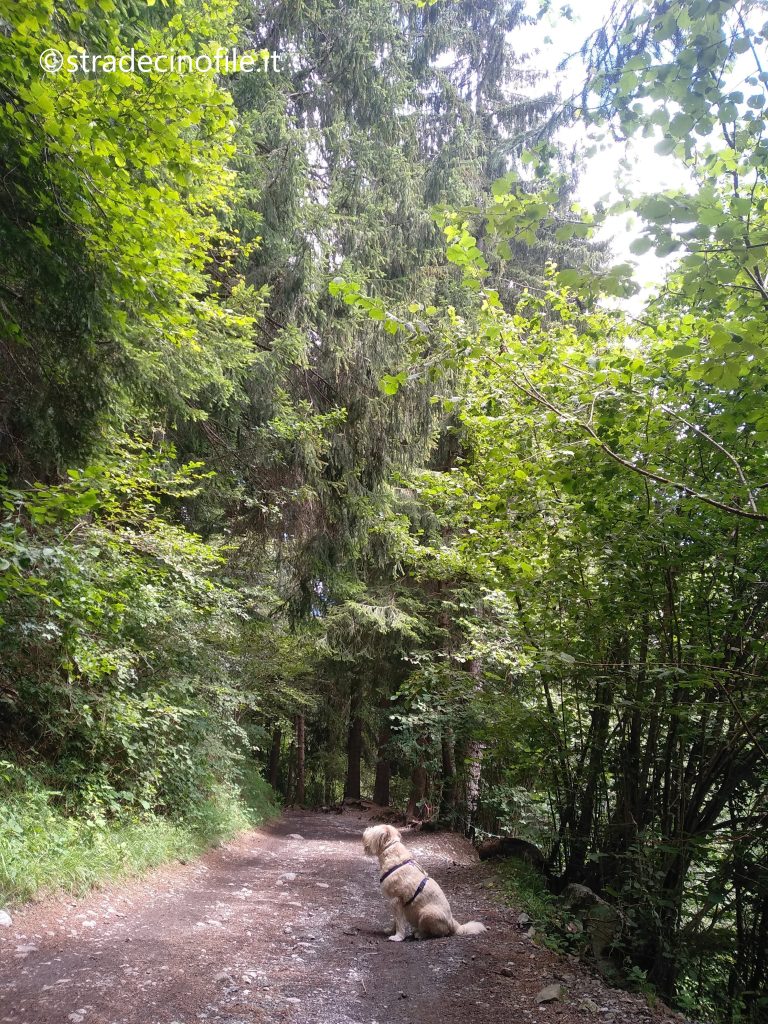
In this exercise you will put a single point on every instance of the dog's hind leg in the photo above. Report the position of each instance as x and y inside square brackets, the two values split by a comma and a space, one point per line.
[433, 925]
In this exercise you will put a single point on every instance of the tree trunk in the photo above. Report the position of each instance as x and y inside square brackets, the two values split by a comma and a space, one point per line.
[475, 753]
[274, 756]
[418, 790]
[448, 793]
[289, 781]
[383, 768]
[627, 818]
[299, 759]
[354, 744]
[665, 963]
[597, 743]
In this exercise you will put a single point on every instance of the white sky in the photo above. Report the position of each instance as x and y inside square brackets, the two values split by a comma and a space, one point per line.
[553, 39]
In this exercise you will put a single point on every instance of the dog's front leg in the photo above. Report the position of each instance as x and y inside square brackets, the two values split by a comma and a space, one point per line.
[401, 923]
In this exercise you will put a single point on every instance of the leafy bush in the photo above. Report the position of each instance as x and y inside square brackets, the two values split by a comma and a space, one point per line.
[43, 847]
[126, 669]
[117, 640]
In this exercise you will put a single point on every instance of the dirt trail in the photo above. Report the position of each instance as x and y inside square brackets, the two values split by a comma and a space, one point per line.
[277, 929]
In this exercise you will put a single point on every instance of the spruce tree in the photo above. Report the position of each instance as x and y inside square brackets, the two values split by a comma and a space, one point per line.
[379, 111]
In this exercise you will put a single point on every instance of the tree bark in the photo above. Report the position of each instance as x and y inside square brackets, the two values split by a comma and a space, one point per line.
[597, 743]
[475, 754]
[627, 817]
[300, 759]
[274, 756]
[383, 767]
[448, 793]
[418, 790]
[665, 963]
[354, 744]
[289, 798]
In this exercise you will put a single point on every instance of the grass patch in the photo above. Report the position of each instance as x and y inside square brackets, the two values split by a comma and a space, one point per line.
[43, 850]
[526, 888]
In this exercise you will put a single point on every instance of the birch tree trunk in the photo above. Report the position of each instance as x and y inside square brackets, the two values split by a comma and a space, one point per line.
[475, 754]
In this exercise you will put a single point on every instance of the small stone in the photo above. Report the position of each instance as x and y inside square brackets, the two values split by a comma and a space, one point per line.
[524, 920]
[550, 993]
[5, 919]
[588, 1005]
[322, 885]
[507, 972]
[402, 995]
[295, 835]
[289, 876]
[223, 976]
[77, 1016]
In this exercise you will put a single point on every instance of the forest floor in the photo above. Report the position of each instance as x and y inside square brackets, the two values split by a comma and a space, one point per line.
[285, 924]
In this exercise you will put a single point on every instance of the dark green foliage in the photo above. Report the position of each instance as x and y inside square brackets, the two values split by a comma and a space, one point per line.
[374, 118]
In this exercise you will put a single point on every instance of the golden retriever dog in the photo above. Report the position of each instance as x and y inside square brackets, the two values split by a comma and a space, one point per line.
[416, 899]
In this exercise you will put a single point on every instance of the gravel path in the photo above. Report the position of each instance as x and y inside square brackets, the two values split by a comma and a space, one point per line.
[285, 924]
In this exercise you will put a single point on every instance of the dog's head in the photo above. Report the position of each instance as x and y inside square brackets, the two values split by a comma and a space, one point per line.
[377, 837]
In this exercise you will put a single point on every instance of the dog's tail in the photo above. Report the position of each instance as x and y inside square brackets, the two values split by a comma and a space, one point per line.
[470, 928]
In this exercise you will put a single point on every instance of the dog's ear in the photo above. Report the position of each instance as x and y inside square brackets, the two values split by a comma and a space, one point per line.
[386, 834]
[370, 837]
[393, 836]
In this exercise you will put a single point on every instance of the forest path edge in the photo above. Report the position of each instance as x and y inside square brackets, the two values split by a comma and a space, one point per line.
[285, 923]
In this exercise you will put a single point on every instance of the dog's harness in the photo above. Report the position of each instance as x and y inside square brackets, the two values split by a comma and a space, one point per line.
[395, 868]
[419, 887]
[402, 864]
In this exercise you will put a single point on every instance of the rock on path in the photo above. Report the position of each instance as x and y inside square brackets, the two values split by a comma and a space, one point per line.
[285, 924]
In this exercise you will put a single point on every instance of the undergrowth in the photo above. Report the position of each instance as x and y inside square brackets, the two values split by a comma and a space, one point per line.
[43, 848]
[559, 930]
[526, 888]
